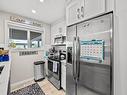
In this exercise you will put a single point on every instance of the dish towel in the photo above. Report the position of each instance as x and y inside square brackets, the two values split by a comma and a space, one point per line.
[54, 66]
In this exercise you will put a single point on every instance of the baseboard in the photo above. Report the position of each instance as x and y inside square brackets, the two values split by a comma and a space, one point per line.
[20, 84]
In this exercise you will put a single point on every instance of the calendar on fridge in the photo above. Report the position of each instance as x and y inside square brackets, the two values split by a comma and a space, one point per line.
[92, 50]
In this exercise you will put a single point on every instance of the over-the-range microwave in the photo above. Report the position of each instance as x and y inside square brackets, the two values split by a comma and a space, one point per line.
[59, 39]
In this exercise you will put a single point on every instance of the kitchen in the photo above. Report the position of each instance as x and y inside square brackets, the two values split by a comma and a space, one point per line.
[63, 47]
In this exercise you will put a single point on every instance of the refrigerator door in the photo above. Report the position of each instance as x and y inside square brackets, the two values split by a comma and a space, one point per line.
[94, 79]
[96, 56]
[71, 87]
[70, 82]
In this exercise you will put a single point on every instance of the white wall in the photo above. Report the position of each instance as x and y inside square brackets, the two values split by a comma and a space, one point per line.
[22, 66]
[6, 16]
[47, 34]
[60, 23]
[121, 47]
[3, 17]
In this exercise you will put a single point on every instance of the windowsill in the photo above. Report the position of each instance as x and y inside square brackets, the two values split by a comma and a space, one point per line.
[28, 49]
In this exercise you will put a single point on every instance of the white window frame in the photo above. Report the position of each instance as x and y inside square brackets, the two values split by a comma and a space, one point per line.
[28, 28]
[36, 32]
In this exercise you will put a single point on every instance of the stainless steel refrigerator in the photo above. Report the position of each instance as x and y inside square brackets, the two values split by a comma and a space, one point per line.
[89, 51]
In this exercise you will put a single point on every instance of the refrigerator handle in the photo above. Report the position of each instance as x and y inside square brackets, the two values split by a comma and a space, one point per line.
[78, 57]
[74, 58]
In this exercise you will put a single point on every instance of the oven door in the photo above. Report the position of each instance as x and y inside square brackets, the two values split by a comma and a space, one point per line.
[54, 71]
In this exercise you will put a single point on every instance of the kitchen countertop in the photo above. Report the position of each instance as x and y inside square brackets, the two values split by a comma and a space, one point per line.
[4, 77]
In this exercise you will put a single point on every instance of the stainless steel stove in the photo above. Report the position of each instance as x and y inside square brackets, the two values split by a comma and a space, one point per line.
[54, 72]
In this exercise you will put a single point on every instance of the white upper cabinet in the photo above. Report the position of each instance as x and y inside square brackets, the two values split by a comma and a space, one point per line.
[110, 5]
[58, 28]
[93, 8]
[72, 12]
[79, 10]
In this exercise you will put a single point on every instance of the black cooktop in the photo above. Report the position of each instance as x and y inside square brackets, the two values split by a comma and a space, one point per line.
[54, 59]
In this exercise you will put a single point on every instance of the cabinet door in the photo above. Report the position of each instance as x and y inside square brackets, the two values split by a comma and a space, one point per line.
[93, 8]
[57, 29]
[63, 80]
[82, 9]
[54, 32]
[72, 12]
[64, 28]
[61, 28]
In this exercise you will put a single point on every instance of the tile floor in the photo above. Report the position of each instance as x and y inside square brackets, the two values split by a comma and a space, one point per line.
[49, 89]
[46, 86]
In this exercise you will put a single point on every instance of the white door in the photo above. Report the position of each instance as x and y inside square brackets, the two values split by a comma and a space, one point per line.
[63, 81]
[83, 9]
[73, 12]
[93, 8]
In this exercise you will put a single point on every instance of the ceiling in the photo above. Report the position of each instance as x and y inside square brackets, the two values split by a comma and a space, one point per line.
[48, 11]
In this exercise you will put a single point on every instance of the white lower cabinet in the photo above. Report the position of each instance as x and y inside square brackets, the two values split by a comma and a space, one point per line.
[63, 76]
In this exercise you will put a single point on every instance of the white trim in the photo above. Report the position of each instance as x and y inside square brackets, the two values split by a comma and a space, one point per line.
[21, 83]
[28, 38]
[23, 25]
[6, 33]
[43, 39]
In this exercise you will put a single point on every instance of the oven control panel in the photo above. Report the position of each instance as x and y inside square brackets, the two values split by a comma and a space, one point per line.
[92, 50]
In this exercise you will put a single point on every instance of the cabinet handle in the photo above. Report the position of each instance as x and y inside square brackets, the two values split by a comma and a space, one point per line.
[82, 12]
[78, 13]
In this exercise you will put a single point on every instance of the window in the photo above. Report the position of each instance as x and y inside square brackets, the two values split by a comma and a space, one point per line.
[19, 38]
[35, 39]
[22, 39]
